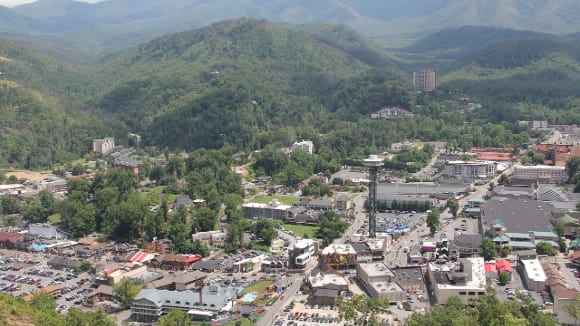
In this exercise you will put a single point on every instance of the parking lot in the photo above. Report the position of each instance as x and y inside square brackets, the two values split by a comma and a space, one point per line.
[23, 274]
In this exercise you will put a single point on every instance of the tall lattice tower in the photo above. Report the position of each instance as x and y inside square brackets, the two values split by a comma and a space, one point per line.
[373, 163]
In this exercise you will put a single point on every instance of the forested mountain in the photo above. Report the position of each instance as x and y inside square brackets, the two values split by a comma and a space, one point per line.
[195, 89]
[43, 117]
[111, 25]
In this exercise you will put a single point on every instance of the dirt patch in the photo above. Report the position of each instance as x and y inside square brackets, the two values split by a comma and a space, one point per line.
[27, 175]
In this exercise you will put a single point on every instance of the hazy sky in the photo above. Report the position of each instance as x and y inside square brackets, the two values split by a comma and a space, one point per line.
[12, 3]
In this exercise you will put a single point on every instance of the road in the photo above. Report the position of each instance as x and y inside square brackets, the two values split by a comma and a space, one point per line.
[272, 311]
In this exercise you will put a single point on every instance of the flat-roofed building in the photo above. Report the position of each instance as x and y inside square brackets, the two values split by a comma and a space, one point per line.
[541, 173]
[464, 279]
[273, 210]
[301, 253]
[469, 169]
[104, 145]
[425, 80]
[533, 275]
[379, 281]
[305, 146]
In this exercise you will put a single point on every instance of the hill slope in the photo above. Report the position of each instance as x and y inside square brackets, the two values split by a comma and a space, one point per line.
[43, 118]
[195, 89]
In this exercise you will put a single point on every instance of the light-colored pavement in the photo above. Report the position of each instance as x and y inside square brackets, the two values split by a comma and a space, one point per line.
[276, 309]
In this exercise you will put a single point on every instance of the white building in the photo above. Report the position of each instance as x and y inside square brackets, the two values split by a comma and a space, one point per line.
[273, 210]
[210, 238]
[104, 145]
[465, 279]
[541, 173]
[533, 274]
[301, 253]
[469, 169]
[402, 146]
[305, 146]
[379, 281]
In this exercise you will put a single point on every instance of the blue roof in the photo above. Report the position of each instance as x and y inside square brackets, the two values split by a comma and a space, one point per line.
[473, 210]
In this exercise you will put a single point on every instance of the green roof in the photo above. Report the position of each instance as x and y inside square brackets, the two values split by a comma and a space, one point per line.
[476, 200]
[522, 244]
[575, 243]
[501, 238]
[540, 234]
[472, 210]
[518, 235]
[497, 223]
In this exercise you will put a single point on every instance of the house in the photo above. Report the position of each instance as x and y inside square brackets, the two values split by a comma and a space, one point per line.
[102, 291]
[210, 302]
[379, 281]
[465, 280]
[491, 271]
[326, 287]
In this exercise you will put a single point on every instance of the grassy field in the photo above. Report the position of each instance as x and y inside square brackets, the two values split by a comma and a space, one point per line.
[152, 195]
[244, 322]
[301, 229]
[258, 287]
[283, 199]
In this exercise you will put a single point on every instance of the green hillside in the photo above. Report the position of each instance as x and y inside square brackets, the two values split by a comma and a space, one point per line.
[44, 118]
[195, 89]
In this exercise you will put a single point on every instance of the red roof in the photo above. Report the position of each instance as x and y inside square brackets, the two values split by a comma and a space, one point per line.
[192, 259]
[139, 257]
[10, 237]
[490, 268]
[504, 265]
[494, 158]
[492, 150]
[548, 162]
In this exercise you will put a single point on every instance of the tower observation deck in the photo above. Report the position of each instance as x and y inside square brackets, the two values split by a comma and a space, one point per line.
[373, 163]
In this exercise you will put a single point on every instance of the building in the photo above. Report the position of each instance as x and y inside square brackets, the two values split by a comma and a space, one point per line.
[60, 263]
[410, 278]
[464, 279]
[104, 145]
[129, 163]
[533, 276]
[212, 301]
[541, 173]
[13, 189]
[504, 265]
[301, 253]
[338, 256]
[326, 288]
[9, 240]
[570, 221]
[210, 238]
[305, 146]
[182, 201]
[469, 169]
[517, 223]
[250, 264]
[342, 202]
[466, 245]
[272, 210]
[208, 266]
[112, 274]
[363, 251]
[47, 231]
[182, 281]
[402, 146]
[425, 80]
[175, 262]
[379, 281]
[391, 112]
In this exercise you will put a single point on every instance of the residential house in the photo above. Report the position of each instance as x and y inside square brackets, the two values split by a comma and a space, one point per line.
[503, 265]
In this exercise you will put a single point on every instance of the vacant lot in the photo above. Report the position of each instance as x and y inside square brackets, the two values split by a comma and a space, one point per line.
[302, 229]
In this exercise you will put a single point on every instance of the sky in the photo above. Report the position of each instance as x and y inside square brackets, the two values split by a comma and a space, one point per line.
[13, 3]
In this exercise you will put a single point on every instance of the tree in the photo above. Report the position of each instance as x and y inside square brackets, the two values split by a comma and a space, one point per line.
[361, 309]
[562, 244]
[78, 169]
[43, 301]
[176, 317]
[433, 220]
[331, 227]
[76, 317]
[126, 290]
[503, 278]
[489, 251]
[572, 166]
[545, 248]
[157, 174]
[205, 219]
[573, 309]
[560, 229]
[503, 180]
[264, 229]
[453, 205]
[9, 205]
[199, 248]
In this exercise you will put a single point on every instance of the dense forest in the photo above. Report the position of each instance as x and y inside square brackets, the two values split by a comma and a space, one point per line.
[250, 83]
